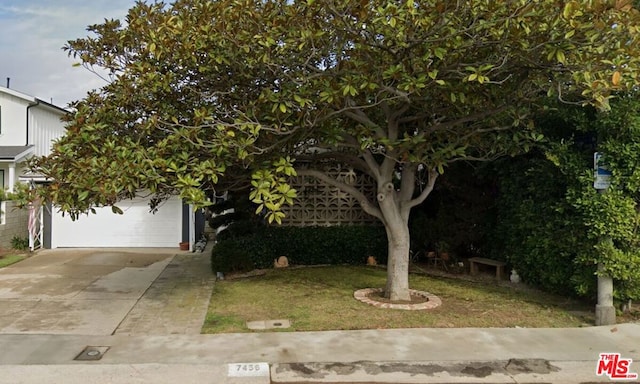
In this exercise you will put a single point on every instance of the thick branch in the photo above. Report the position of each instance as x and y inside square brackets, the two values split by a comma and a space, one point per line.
[408, 182]
[392, 128]
[362, 199]
[342, 157]
[469, 118]
[367, 157]
[372, 163]
[433, 175]
[464, 138]
[361, 117]
[394, 91]
[387, 167]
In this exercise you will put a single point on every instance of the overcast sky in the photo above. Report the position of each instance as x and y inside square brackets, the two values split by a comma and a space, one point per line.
[32, 33]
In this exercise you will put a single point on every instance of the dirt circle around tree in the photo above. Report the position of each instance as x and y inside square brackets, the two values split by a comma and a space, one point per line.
[420, 300]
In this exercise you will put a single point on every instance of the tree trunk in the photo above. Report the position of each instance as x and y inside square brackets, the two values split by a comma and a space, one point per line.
[398, 263]
[396, 221]
[392, 209]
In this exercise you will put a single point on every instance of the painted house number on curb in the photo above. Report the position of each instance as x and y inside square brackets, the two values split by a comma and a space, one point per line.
[248, 369]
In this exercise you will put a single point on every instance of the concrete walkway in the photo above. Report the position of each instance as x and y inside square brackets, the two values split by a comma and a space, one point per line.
[176, 302]
[153, 305]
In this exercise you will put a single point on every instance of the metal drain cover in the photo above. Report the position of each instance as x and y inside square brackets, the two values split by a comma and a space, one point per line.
[268, 324]
[91, 353]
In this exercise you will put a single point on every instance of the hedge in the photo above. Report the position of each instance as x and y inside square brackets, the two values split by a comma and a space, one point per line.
[301, 245]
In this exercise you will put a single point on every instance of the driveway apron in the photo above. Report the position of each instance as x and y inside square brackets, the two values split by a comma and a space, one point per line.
[77, 291]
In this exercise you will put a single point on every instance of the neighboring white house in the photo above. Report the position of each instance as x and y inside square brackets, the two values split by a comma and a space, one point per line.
[28, 127]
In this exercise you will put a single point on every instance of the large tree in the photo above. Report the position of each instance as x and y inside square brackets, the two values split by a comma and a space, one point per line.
[200, 92]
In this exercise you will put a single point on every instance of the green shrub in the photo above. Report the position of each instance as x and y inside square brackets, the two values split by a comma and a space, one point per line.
[302, 246]
[20, 243]
[231, 257]
[240, 228]
[537, 231]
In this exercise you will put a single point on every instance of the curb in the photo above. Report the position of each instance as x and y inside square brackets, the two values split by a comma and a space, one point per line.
[442, 372]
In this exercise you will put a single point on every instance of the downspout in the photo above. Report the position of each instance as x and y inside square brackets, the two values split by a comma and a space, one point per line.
[37, 102]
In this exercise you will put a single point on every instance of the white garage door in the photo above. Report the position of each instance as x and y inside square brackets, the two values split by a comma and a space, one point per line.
[137, 227]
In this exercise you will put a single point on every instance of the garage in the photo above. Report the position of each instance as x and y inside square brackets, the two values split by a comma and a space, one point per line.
[137, 227]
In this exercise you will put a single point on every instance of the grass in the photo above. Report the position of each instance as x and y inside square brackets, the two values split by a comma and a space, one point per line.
[321, 298]
[10, 259]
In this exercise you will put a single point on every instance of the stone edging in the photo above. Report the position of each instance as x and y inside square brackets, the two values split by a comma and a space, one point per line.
[433, 300]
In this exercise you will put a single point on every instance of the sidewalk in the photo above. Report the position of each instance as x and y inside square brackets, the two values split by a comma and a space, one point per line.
[465, 355]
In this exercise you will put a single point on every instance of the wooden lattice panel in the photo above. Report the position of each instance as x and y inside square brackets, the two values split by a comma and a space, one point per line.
[322, 204]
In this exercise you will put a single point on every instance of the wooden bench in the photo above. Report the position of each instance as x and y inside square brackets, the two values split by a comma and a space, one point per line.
[474, 261]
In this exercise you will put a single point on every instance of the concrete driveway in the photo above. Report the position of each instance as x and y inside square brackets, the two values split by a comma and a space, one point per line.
[77, 291]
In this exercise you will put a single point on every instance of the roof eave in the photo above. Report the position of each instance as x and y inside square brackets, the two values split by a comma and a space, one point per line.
[17, 94]
[20, 156]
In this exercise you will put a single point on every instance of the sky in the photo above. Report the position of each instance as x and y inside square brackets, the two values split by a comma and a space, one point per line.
[32, 34]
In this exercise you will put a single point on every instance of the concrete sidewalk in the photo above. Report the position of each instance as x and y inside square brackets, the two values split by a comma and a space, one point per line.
[466, 355]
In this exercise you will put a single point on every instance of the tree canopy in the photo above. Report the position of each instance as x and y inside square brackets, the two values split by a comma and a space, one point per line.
[202, 92]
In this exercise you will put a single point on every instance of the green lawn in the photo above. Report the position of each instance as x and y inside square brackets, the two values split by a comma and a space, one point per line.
[321, 298]
[10, 259]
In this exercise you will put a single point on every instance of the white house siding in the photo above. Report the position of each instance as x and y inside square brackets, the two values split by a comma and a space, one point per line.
[44, 128]
[14, 120]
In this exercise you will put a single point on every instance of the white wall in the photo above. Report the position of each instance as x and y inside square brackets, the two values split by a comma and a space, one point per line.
[43, 121]
[14, 120]
[44, 127]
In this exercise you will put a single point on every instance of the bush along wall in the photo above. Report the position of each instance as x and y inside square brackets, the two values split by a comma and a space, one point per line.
[537, 230]
[301, 245]
[553, 225]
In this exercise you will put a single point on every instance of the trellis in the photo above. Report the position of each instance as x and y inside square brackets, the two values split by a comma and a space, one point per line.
[321, 204]
[36, 225]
